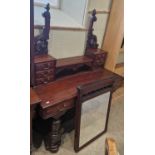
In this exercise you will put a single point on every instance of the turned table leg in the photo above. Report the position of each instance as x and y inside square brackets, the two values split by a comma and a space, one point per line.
[32, 113]
[53, 139]
[31, 116]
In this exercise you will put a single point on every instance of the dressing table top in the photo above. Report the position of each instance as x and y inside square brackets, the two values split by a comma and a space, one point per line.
[66, 88]
[34, 98]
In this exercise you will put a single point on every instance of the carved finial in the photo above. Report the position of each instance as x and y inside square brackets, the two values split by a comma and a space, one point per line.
[47, 17]
[41, 43]
[92, 39]
[47, 7]
[94, 15]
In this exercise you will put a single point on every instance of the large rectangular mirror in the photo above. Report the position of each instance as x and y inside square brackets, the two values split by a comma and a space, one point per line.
[92, 112]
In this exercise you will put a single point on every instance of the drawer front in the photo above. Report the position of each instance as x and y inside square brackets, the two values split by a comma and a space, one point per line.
[44, 66]
[100, 59]
[44, 74]
[55, 110]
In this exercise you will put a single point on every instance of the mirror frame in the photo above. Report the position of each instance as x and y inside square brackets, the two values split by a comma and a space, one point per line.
[86, 92]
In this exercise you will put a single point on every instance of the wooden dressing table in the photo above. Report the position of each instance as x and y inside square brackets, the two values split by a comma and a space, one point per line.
[59, 96]
[55, 82]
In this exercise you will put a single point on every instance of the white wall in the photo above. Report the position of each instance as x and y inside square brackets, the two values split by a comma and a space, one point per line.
[74, 8]
[100, 4]
[52, 2]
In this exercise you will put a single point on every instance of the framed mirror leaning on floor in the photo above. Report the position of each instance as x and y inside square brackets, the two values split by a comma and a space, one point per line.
[92, 112]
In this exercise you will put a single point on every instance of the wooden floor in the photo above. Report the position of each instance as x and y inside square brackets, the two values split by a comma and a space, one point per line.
[119, 93]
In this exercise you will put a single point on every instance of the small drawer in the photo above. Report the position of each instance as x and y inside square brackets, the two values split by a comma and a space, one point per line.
[100, 59]
[40, 81]
[54, 110]
[45, 73]
[49, 78]
[44, 66]
[65, 105]
[100, 56]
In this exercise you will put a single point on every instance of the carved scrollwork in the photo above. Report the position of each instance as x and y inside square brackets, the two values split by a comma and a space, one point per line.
[41, 41]
[92, 39]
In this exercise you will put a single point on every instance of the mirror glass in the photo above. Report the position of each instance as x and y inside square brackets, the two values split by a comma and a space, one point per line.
[93, 117]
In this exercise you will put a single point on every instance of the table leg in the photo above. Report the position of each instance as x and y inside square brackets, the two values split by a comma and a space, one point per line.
[32, 113]
[53, 139]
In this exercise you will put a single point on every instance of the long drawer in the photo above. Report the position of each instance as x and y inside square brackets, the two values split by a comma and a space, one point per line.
[57, 109]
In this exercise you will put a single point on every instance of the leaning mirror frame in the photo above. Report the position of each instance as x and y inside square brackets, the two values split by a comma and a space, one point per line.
[88, 94]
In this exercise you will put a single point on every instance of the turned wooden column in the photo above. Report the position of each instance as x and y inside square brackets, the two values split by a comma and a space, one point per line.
[53, 138]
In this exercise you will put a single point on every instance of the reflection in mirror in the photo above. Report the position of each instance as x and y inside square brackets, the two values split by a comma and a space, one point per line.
[93, 117]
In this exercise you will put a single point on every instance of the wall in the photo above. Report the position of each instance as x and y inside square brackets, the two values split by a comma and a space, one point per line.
[75, 8]
[100, 4]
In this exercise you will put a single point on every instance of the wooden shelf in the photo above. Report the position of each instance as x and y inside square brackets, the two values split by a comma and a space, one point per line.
[72, 61]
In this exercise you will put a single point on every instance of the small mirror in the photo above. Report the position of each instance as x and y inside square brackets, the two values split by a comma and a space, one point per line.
[93, 117]
[92, 111]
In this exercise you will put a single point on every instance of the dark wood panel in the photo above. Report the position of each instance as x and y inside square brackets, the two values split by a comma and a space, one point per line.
[72, 61]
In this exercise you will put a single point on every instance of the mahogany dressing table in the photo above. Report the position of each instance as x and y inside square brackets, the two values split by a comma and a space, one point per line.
[55, 83]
